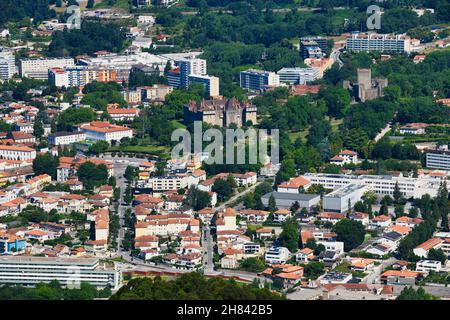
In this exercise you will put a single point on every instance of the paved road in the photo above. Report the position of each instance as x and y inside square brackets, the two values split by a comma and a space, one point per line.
[236, 196]
[208, 248]
[373, 277]
[335, 55]
[280, 10]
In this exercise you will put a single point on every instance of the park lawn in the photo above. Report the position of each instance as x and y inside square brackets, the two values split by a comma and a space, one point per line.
[298, 134]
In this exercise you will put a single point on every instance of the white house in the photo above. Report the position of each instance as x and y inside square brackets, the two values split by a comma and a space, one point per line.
[277, 255]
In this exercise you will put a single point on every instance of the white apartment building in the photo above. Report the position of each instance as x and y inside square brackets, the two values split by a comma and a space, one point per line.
[29, 271]
[277, 255]
[99, 130]
[17, 153]
[381, 185]
[38, 68]
[65, 138]
[298, 75]
[366, 42]
[428, 265]
[7, 65]
[169, 183]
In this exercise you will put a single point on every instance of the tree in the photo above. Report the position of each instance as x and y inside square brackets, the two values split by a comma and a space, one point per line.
[130, 173]
[38, 129]
[191, 286]
[253, 264]
[197, 199]
[92, 175]
[409, 293]
[272, 204]
[313, 270]
[397, 194]
[223, 188]
[99, 147]
[46, 164]
[90, 4]
[437, 255]
[290, 235]
[350, 232]
[73, 116]
[337, 100]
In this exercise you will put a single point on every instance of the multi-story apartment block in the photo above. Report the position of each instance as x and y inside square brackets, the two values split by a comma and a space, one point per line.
[438, 159]
[17, 153]
[156, 92]
[30, 270]
[258, 80]
[169, 182]
[132, 96]
[38, 68]
[210, 83]
[193, 66]
[366, 42]
[7, 65]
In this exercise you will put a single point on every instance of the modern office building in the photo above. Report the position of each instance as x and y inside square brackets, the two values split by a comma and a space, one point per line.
[7, 65]
[438, 159]
[258, 80]
[381, 185]
[70, 272]
[210, 83]
[284, 200]
[340, 199]
[367, 42]
[38, 68]
[298, 75]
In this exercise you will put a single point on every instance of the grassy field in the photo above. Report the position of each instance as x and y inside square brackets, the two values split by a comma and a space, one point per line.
[298, 134]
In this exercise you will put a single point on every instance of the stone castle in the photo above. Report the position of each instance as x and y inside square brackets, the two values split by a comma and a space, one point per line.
[221, 112]
[366, 88]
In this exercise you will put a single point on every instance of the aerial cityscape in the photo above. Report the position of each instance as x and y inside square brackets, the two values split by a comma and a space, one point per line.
[224, 150]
